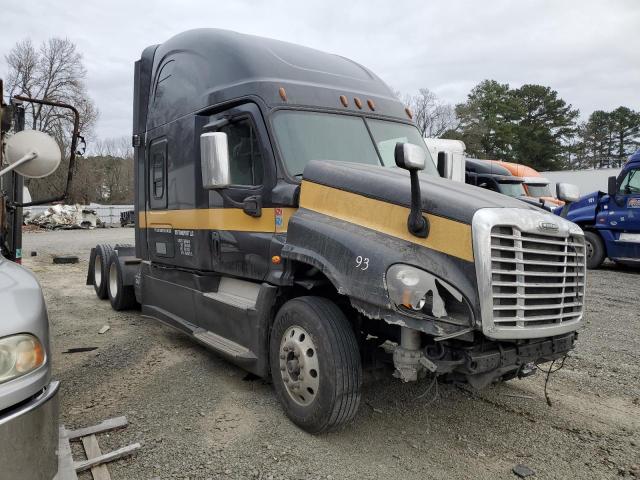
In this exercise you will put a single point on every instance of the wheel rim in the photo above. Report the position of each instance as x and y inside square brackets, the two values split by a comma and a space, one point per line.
[97, 271]
[299, 365]
[113, 280]
[589, 246]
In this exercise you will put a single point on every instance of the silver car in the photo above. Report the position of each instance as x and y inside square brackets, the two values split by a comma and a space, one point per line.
[28, 396]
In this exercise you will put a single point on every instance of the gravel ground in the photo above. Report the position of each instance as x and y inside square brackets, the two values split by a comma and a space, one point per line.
[198, 416]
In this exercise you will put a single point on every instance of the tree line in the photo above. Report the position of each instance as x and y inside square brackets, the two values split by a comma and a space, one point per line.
[530, 125]
[54, 70]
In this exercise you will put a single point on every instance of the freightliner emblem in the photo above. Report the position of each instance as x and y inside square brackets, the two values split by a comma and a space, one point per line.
[548, 226]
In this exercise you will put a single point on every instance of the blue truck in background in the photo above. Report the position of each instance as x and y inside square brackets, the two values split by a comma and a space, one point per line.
[611, 221]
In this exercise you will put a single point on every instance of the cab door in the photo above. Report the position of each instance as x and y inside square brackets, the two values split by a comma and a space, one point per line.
[624, 216]
[160, 242]
[242, 219]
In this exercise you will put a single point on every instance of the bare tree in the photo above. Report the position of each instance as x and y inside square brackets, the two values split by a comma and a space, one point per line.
[54, 72]
[119, 147]
[432, 116]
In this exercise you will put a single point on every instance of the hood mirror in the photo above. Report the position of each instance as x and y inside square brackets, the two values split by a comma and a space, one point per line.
[413, 157]
[410, 156]
[32, 154]
[567, 192]
[214, 160]
[612, 186]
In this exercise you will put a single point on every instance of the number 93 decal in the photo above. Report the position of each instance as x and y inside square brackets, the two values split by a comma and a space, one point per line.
[362, 263]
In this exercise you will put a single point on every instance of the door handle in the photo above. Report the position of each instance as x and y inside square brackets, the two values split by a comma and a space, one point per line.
[252, 206]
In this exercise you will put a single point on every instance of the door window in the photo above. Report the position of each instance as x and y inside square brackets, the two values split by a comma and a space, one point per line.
[631, 182]
[158, 174]
[245, 157]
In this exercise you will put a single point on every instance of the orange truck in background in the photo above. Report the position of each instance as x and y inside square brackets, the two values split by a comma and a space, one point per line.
[535, 184]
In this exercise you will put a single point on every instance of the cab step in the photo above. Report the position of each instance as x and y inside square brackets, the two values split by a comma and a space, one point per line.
[224, 345]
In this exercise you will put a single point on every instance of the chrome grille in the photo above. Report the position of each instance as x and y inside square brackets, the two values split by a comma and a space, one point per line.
[537, 280]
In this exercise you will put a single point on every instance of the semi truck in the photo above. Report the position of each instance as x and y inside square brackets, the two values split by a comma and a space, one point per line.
[28, 394]
[611, 220]
[485, 174]
[534, 184]
[289, 217]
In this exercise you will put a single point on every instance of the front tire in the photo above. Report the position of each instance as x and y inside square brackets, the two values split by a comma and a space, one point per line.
[596, 252]
[315, 364]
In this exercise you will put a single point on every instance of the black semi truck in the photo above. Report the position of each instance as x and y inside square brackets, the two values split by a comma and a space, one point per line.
[274, 226]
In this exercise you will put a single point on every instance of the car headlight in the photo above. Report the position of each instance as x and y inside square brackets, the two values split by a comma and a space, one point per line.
[19, 355]
[415, 290]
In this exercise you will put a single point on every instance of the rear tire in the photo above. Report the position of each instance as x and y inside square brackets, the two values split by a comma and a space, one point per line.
[121, 297]
[103, 254]
[315, 364]
[595, 249]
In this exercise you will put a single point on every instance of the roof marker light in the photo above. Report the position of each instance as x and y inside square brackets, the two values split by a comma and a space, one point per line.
[357, 102]
[372, 106]
[344, 101]
[283, 94]
[409, 113]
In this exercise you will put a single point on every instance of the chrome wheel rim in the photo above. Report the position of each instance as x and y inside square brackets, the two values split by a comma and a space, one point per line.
[113, 280]
[97, 271]
[299, 366]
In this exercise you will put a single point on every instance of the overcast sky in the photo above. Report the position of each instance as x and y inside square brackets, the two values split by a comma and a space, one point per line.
[589, 51]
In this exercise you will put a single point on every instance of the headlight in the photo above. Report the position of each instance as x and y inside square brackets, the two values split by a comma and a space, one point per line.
[19, 354]
[419, 291]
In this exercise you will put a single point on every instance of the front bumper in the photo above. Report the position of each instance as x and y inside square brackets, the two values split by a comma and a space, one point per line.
[29, 437]
[506, 361]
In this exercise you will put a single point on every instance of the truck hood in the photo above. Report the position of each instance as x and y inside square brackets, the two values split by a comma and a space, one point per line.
[446, 198]
[584, 209]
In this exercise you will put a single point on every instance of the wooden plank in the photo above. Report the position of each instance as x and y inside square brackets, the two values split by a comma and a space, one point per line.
[92, 449]
[107, 457]
[110, 424]
[66, 468]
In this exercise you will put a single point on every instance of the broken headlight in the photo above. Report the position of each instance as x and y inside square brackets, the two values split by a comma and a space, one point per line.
[418, 292]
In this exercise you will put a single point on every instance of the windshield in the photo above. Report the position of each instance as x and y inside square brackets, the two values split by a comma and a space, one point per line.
[512, 189]
[539, 190]
[306, 136]
[631, 183]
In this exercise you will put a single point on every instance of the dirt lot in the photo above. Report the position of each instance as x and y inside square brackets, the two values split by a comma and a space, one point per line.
[198, 416]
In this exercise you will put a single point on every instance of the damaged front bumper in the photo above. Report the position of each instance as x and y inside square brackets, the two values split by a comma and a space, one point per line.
[480, 365]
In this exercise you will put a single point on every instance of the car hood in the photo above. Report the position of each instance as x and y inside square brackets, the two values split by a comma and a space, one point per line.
[446, 198]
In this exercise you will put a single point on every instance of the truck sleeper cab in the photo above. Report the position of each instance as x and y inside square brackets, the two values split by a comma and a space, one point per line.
[274, 227]
[611, 221]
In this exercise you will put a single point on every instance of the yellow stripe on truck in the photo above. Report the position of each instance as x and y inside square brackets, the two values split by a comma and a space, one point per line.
[445, 235]
[216, 219]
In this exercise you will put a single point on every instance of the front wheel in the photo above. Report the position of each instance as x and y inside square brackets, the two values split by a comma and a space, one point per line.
[595, 249]
[315, 364]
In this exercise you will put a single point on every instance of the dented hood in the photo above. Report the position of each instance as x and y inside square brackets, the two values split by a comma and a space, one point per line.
[441, 197]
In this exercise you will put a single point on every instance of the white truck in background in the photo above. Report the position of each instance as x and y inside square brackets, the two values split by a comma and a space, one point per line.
[448, 156]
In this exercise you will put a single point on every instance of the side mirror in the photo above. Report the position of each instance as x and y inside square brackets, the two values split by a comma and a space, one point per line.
[567, 192]
[214, 160]
[412, 157]
[409, 156]
[612, 186]
[32, 154]
[444, 165]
